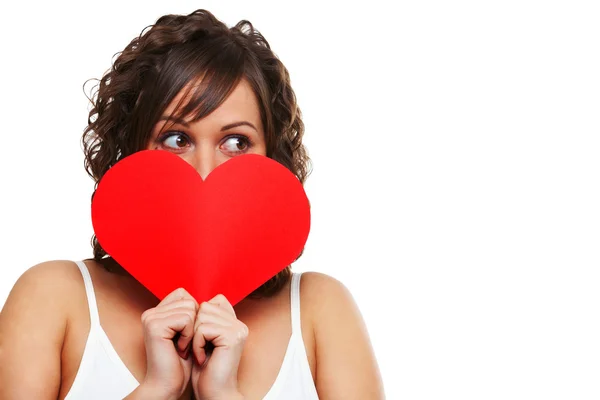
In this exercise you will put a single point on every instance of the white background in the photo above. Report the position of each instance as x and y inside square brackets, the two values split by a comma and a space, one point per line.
[455, 189]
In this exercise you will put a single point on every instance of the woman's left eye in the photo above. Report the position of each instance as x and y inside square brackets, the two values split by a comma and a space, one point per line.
[235, 144]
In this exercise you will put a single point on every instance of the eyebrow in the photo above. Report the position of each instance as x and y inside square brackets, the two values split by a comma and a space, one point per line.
[181, 121]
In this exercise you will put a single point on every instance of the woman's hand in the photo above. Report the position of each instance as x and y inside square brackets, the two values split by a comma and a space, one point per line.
[168, 332]
[214, 373]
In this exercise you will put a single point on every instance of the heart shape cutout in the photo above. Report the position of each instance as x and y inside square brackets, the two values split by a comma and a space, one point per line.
[228, 234]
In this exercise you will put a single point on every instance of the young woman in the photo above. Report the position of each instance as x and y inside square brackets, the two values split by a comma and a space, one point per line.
[88, 330]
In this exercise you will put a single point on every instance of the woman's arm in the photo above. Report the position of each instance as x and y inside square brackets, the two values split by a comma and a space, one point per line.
[32, 328]
[346, 365]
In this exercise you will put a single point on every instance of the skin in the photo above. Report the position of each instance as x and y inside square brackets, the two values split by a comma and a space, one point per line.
[45, 321]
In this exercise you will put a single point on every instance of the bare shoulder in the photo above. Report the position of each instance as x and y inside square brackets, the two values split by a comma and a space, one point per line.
[345, 363]
[56, 270]
[317, 280]
[54, 278]
[323, 295]
[43, 291]
[33, 323]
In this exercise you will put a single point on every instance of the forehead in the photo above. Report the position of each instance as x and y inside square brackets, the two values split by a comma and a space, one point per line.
[241, 103]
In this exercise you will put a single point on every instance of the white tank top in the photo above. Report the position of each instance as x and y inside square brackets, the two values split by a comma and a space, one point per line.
[102, 375]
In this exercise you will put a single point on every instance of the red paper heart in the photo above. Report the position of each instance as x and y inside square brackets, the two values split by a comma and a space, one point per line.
[228, 234]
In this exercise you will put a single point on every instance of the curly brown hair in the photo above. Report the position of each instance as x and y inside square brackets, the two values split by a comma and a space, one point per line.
[147, 75]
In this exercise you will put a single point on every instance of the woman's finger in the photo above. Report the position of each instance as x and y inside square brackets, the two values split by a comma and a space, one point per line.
[182, 303]
[222, 302]
[177, 294]
[185, 335]
[207, 337]
[165, 312]
[167, 326]
[225, 320]
[207, 308]
[199, 346]
[221, 336]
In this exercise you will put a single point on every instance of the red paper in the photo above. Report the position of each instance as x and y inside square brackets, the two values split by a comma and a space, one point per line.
[229, 234]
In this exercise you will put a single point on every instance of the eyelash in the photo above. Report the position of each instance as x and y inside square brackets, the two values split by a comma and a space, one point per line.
[166, 135]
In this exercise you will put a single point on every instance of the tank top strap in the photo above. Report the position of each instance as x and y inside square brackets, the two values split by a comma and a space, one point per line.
[91, 296]
[295, 302]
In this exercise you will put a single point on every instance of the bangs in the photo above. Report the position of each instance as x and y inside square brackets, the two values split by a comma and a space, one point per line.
[205, 72]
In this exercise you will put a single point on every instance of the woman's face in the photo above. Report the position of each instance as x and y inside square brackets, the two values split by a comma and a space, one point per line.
[233, 129]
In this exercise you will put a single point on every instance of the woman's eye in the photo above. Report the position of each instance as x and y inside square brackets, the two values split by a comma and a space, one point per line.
[235, 144]
[175, 141]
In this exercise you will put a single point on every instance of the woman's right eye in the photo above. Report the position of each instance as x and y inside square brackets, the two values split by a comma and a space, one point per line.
[175, 140]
